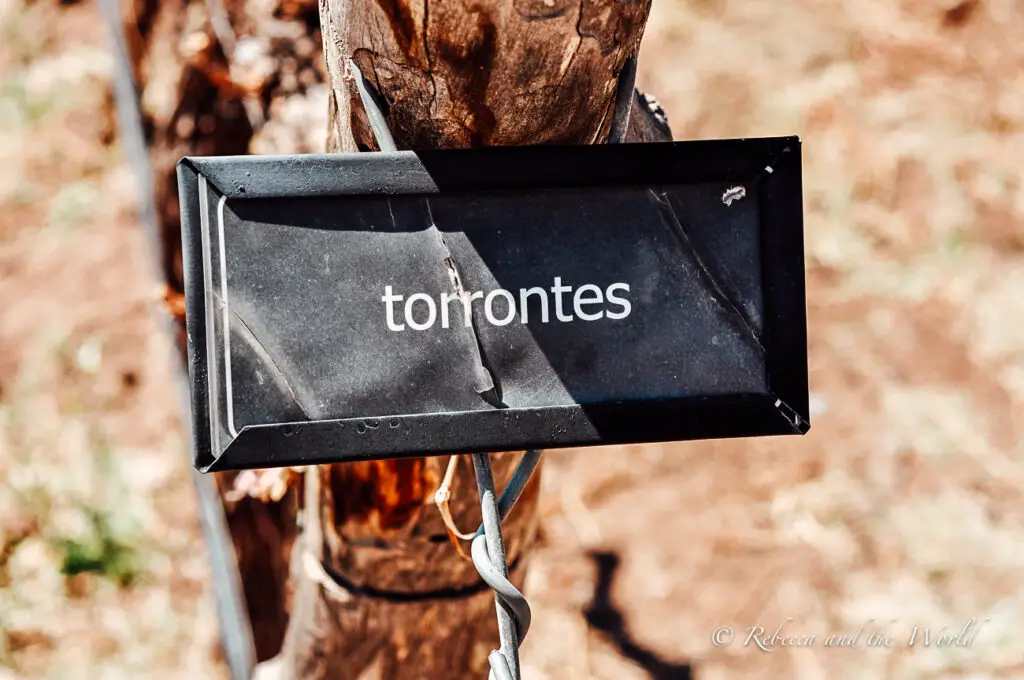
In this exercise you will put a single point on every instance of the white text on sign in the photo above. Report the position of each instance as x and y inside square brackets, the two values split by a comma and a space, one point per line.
[501, 307]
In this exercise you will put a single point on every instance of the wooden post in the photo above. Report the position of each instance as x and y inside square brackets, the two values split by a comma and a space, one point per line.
[348, 570]
[456, 74]
[450, 75]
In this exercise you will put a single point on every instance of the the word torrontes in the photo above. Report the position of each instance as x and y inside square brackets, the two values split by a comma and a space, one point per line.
[501, 307]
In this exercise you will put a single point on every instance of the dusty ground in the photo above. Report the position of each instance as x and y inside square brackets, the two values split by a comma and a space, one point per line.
[904, 501]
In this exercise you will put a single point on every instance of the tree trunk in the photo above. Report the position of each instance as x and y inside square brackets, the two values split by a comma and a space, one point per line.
[450, 75]
[371, 585]
[491, 73]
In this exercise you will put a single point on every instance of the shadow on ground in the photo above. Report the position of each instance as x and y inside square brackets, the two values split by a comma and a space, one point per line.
[605, 618]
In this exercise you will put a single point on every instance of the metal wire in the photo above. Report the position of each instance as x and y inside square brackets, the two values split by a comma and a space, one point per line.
[623, 102]
[235, 631]
[514, 489]
[488, 551]
[378, 123]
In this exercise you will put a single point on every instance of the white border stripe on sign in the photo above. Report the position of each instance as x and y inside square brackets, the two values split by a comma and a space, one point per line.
[228, 391]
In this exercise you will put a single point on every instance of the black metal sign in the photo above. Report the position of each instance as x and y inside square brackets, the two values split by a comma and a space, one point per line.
[368, 305]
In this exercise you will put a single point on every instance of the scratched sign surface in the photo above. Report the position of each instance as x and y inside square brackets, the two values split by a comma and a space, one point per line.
[376, 305]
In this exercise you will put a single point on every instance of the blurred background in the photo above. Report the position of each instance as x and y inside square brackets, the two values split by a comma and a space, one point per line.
[903, 502]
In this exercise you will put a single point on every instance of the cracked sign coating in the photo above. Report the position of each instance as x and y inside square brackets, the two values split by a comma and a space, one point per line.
[459, 301]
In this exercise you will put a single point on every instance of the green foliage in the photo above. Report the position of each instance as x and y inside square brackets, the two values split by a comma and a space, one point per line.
[101, 552]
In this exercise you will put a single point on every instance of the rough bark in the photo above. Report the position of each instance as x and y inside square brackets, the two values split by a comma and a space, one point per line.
[370, 585]
[456, 74]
